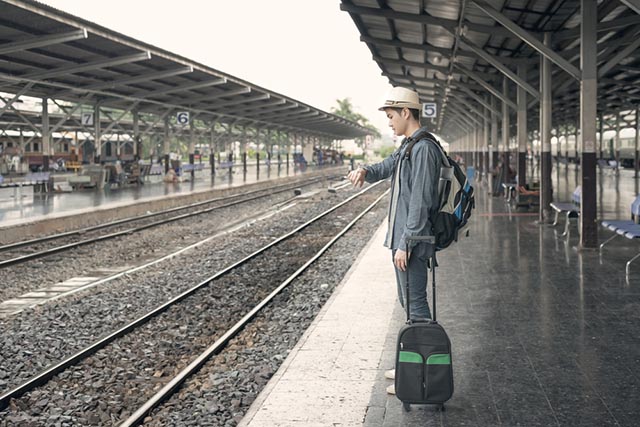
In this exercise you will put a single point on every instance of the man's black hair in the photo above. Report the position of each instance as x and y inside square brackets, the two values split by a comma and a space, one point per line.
[415, 113]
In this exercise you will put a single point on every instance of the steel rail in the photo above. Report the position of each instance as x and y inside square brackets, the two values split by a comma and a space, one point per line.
[9, 246]
[228, 228]
[44, 376]
[138, 416]
[62, 248]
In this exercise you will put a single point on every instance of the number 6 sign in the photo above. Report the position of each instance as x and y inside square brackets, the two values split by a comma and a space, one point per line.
[182, 117]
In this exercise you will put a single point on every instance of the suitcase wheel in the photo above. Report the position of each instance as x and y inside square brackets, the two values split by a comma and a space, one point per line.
[406, 406]
[441, 407]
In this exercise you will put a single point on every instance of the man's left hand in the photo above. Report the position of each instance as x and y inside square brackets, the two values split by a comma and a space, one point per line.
[400, 260]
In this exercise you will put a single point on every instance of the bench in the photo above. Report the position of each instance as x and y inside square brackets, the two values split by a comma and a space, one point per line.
[134, 173]
[91, 176]
[79, 181]
[607, 164]
[115, 174]
[38, 180]
[509, 189]
[154, 169]
[568, 209]
[71, 165]
[188, 167]
[225, 165]
[528, 198]
[629, 228]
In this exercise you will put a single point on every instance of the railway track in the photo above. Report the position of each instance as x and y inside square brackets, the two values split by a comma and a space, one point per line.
[299, 246]
[225, 230]
[20, 252]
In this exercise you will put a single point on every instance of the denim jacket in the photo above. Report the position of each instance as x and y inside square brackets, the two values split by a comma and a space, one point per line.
[417, 194]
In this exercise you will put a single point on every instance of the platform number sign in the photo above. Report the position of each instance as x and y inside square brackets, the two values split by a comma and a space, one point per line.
[87, 119]
[182, 118]
[429, 110]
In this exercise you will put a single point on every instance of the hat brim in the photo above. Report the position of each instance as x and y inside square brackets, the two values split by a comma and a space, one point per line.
[408, 105]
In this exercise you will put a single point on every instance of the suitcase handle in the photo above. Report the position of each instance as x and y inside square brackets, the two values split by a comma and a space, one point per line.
[431, 263]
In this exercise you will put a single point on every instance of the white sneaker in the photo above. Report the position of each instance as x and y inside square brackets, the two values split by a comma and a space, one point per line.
[391, 389]
[390, 374]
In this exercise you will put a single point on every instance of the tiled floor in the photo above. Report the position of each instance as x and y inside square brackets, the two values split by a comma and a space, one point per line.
[542, 333]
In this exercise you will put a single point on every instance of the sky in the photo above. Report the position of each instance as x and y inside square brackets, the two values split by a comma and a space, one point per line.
[308, 50]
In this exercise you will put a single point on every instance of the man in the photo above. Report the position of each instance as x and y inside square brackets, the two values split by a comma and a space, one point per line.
[414, 198]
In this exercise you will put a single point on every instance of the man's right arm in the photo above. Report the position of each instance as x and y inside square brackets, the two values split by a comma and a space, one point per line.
[372, 173]
[378, 171]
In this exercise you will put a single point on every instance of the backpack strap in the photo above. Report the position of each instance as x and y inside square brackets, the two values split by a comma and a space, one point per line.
[420, 136]
[429, 136]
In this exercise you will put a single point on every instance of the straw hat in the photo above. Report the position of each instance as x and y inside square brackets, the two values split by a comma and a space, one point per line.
[400, 97]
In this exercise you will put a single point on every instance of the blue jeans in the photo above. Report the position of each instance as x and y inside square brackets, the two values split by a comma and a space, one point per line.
[418, 275]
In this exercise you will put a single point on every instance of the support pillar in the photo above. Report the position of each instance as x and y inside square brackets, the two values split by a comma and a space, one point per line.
[588, 108]
[137, 140]
[558, 148]
[601, 130]
[295, 148]
[269, 148]
[566, 145]
[46, 135]
[635, 144]
[545, 134]
[476, 150]
[505, 132]
[485, 149]
[288, 147]
[97, 134]
[522, 128]
[617, 143]
[192, 147]
[577, 138]
[18, 168]
[212, 151]
[493, 148]
[166, 144]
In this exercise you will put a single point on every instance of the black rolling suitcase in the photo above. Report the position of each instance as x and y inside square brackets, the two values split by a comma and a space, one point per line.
[424, 373]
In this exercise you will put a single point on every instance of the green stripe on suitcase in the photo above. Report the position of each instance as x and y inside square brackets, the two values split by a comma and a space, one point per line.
[410, 357]
[439, 359]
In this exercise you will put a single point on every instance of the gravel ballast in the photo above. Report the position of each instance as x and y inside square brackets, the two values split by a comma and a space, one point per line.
[128, 250]
[226, 386]
[98, 312]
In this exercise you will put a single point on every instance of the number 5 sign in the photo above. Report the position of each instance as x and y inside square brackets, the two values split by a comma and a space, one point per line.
[429, 110]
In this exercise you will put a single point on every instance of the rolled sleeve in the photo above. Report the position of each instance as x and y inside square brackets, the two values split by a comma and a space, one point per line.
[425, 174]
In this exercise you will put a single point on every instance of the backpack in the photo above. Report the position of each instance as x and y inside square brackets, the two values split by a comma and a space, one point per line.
[455, 195]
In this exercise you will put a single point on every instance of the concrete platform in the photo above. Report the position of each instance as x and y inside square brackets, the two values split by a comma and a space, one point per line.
[328, 377]
[542, 334]
[40, 214]
[31, 207]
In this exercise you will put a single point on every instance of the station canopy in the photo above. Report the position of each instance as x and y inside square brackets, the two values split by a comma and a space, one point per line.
[456, 52]
[48, 53]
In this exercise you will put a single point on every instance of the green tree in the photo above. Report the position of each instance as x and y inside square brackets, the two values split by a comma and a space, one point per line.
[345, 109]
